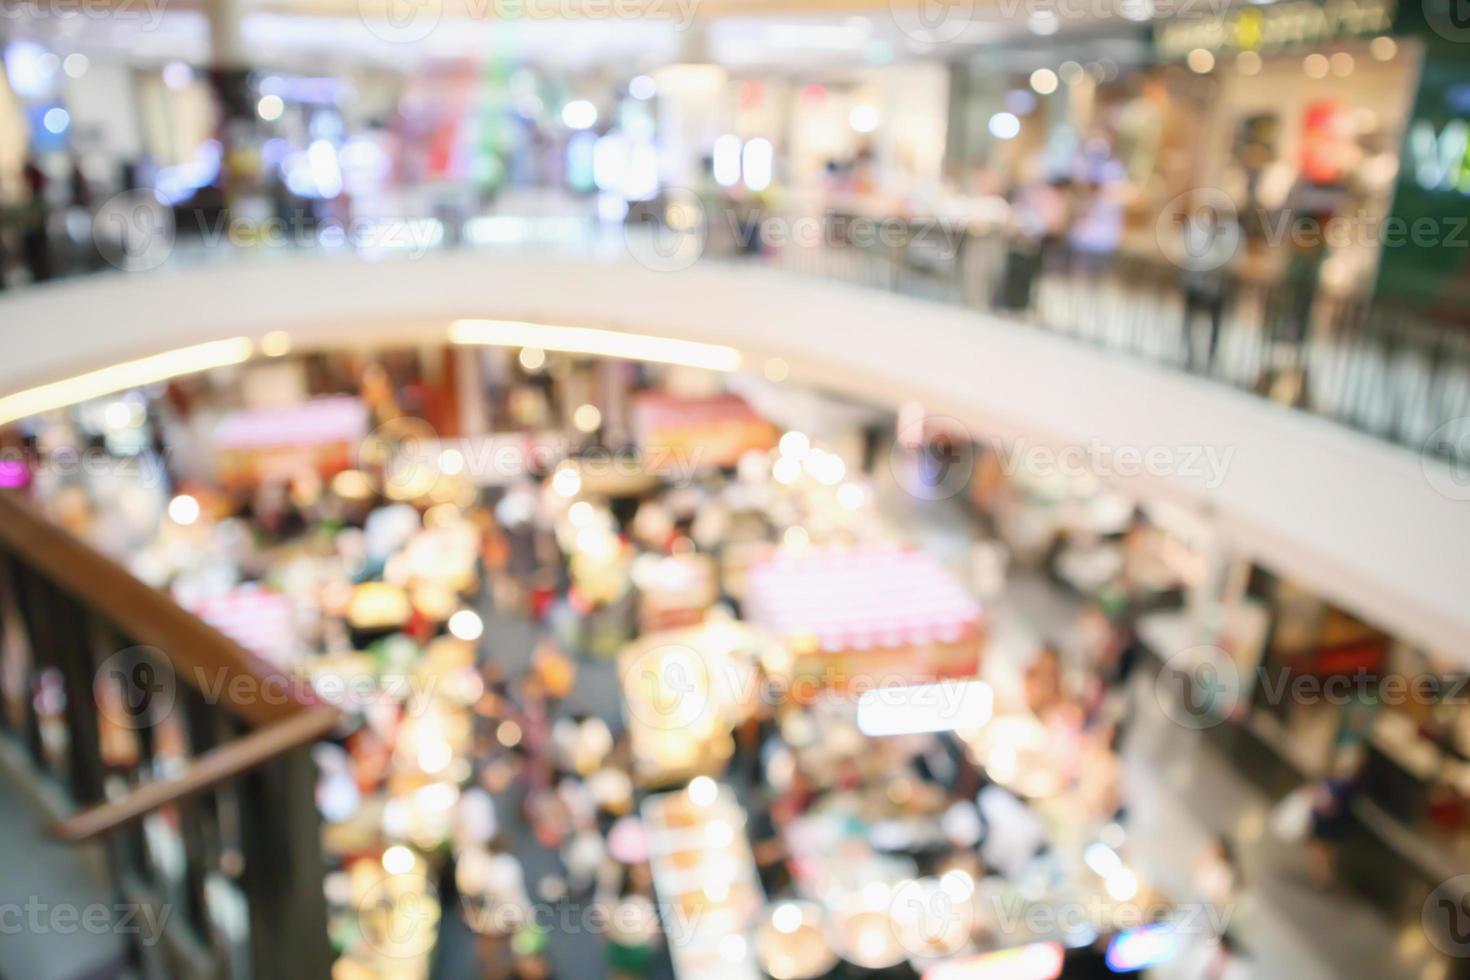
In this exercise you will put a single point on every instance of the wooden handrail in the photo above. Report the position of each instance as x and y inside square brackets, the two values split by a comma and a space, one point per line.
[201, 655]
[210, 769]
[216, 766]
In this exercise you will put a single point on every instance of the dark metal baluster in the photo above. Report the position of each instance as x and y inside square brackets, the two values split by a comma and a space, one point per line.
[281, 833]
[30, 591]
[136, 667]
[9, 653]
[200, 821]
[73, 634]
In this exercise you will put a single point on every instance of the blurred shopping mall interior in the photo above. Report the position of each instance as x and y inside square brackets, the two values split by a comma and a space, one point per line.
[791, 489]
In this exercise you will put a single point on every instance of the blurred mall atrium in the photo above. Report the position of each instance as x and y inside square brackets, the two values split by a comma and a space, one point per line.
[792, 489]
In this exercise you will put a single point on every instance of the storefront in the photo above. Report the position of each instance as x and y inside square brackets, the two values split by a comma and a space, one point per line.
[1303, 117]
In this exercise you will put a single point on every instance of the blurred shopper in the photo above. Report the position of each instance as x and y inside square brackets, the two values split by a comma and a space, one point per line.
[1097, 230]
[4, 243]
[1332, 802]
[1210, 239]
[83, 255]
[1039, 224]
[35, 220]
[1217, 872]
[1297, 295]
[633, 934]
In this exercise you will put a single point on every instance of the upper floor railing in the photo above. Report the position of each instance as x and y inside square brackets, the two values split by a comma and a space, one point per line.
[1394, 374]
[184, 756]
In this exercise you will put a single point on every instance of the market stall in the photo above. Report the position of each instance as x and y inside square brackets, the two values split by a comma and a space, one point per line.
[866, 617]
[684, 693]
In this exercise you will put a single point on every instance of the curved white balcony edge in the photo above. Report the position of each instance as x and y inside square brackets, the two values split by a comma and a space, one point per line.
[1353, 518]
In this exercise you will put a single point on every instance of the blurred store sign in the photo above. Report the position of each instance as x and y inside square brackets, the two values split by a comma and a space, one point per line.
[721, 428]
[1298, 23]
[312, 423]
[923, 708]
[1431, 204]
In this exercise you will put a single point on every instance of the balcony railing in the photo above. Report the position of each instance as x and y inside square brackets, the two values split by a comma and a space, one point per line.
[183, 756]
[1393, 374]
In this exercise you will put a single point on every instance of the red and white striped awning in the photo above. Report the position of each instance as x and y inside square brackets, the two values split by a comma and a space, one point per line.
[861, 598]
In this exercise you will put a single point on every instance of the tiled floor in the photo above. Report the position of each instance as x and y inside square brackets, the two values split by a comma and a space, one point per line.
[52, 885]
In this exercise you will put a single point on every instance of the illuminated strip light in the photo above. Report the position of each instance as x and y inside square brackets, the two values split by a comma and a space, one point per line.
[120, 377]
[589, 340]
[1039, 961]
[920, 708]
